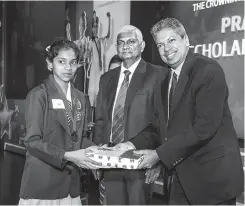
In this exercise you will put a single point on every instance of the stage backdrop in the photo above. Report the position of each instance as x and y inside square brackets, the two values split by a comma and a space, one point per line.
[120, 15]
[215, 29]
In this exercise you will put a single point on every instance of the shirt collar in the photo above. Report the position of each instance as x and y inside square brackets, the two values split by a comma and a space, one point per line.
[132, 68]
[178, 69]
[68, 93]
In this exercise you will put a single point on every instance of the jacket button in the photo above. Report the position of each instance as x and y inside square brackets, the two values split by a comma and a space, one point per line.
[69, 173]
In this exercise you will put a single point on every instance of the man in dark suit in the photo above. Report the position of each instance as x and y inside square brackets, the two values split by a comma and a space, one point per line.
[199, 146]
[125, 106]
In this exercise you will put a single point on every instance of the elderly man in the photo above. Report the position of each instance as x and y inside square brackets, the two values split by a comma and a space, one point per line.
[125, 106]
[199, 144]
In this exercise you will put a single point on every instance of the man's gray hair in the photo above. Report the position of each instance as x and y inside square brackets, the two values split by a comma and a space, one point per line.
[169, 23]
[130, 28]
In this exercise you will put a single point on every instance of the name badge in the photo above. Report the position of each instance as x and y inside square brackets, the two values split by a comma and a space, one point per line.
[58, 104]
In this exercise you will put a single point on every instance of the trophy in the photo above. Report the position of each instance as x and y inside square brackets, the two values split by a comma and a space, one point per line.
[84, 45]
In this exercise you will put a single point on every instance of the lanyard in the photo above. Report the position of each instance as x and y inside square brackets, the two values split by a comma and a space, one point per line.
[74, 135]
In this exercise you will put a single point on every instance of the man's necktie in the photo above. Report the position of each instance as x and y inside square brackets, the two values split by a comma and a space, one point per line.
[118, 114]
[171, 93]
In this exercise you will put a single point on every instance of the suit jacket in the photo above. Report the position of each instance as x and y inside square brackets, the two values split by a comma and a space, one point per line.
[199, 141]
[139, 106]
[46, 174]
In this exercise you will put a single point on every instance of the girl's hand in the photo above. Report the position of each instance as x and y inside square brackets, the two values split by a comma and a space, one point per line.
[80, 159]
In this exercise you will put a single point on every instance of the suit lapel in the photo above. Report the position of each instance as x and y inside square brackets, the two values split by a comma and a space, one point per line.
[61, 113]
[164, 93]
[76, 107]
[183, 80]
[62, 119]
[112, 88]
[162, 97]
[136, 83]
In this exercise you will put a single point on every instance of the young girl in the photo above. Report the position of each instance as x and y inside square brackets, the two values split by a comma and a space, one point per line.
[114, 63]
[56, 126]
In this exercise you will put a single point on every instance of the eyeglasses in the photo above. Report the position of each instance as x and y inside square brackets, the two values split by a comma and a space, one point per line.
[130, 42]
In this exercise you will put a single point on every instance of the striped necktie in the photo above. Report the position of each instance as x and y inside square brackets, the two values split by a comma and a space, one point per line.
[68, 117]
[118, 114]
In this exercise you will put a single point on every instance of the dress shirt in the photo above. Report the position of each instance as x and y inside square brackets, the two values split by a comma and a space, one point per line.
[68, 93]
[120, 81]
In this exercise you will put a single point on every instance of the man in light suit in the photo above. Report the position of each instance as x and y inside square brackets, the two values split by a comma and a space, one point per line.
[125, 106]
[199, 146]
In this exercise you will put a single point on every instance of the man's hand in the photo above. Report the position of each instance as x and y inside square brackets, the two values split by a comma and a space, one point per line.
[80, 159]
[150, 158]
[152, 174]
[124, 146]
[97, 174]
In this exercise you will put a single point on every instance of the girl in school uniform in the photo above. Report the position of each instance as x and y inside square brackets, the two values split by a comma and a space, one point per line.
[56, 123]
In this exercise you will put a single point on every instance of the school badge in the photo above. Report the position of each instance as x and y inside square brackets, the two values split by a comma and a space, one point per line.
[79, 115]
[79, 105]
